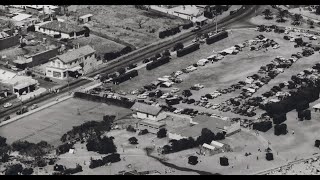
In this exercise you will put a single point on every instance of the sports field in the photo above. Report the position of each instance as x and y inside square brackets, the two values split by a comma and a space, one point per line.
[51, 123]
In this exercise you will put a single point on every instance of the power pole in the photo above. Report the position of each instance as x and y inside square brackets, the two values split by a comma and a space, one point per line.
[216, 24]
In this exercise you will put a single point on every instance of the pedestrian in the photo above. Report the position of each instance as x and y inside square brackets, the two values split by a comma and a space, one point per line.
[257, 158]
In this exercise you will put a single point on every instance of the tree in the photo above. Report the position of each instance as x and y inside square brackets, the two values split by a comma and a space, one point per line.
[166, 149]
[141, 21]
[193, 160]
[133, 140]
[15, 169]
[267, 14]
[131, 129]
[162, 133]
[318, 10]
[281, 15]
[3, 141]
[5, 158]
[224, 161]
[206, 136]
[178, 46]
[122, 71]
[27, 171]
[297, 17]
[86, 32]
[166, 53]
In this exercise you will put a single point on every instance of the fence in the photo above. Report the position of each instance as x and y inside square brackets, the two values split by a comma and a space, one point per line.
[9, 42]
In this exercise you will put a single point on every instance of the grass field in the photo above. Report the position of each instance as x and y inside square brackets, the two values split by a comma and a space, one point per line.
[50, 124]
[119, 21]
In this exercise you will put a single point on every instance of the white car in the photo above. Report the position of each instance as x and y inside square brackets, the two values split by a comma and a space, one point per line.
[313, 38]
[177, 111]
[215, 106]
[178, 73]
[292, 40]
[174, 90]
[204, 99]
[6, 105]
[165, 95]
[199, 86]
[141, 96]
[191, 68]
[276, 46]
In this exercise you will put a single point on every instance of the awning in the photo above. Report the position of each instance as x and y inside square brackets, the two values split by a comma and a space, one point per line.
[75, 68]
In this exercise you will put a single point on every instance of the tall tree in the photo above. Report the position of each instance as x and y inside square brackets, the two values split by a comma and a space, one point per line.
[282, 14]
[267, 14]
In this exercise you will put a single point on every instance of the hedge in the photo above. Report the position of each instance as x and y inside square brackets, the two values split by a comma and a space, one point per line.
[123, 102]
[262, 126]
[188, 50]
[169, 32]
[187, 26]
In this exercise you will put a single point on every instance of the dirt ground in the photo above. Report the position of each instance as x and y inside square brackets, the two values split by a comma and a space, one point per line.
[119, 21]
[50, 124]
[101, 45]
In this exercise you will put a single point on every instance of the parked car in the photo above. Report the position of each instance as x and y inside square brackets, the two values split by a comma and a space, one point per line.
[6, 105]
[34, 106]
[175, 90]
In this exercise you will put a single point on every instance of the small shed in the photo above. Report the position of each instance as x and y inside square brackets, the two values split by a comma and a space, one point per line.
[316, 107]
[85, 18]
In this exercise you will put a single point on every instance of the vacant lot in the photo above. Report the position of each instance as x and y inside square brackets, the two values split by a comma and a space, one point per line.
[122, 21]
[101, 45]
[50, 124]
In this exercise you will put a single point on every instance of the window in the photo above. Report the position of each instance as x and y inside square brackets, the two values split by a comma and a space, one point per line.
[49, 71]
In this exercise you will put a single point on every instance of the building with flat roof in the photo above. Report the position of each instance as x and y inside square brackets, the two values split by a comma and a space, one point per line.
[145, 111]
[150, 125]
[17, 84]
[214, 148]
[202, 121]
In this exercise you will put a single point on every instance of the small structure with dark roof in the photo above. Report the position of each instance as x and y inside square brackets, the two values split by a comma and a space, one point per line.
[66, 30]
[145, 111]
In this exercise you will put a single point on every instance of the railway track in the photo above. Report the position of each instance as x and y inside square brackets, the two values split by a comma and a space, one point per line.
[139, 55]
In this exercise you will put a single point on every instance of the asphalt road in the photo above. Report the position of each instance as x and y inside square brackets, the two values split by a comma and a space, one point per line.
[243, 14]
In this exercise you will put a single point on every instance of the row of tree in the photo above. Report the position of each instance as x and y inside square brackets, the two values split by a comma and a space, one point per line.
[188, 49]
[113, 55]
[125, 77]
[207, 136]
[156, 63]
[104, 145]
[169, 32]
[112, 158]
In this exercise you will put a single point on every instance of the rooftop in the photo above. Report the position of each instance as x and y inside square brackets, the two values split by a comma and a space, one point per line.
[145, 108]
[153, 123]
[85, 16]
[21, 17]
[73, 55]
[6, 75]
[62, 27]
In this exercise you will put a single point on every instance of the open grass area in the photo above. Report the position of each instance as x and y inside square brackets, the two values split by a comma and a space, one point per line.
[50, 124]
[120, 21]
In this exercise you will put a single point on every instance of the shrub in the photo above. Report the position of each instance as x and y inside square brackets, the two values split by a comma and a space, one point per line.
[224, 161]
[178, 46]
[143, 132]
[317, 143]
[27, 171]
[193, 160]
[15, 169]
[188, 50]
[131, 129]
[162, 133]
[269, 156]
[133, 140]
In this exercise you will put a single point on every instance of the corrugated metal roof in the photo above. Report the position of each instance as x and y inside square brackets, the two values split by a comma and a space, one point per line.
[85, 16]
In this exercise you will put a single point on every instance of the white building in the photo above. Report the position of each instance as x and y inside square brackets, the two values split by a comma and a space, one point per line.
[68, 31]
[214, 148]
[77, 61]
[85, 18]
[145, 111]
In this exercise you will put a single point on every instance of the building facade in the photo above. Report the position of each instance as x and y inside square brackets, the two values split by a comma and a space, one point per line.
[67, 31]
[145, 111]
[76, 62]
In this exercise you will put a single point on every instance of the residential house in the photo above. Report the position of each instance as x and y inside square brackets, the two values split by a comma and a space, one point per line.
[145, 111]
[68, 31]
[77, 61]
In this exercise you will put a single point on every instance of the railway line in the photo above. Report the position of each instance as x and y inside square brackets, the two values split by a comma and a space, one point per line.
[138, 55]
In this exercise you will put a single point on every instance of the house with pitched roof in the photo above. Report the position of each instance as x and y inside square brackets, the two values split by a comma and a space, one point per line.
[73, 63]
[146, 111]
[66, 30]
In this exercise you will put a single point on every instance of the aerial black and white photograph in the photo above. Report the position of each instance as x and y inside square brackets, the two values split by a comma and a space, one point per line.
[159, 89]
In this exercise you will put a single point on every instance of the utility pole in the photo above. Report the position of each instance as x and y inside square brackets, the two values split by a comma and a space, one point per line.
[216, 24]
